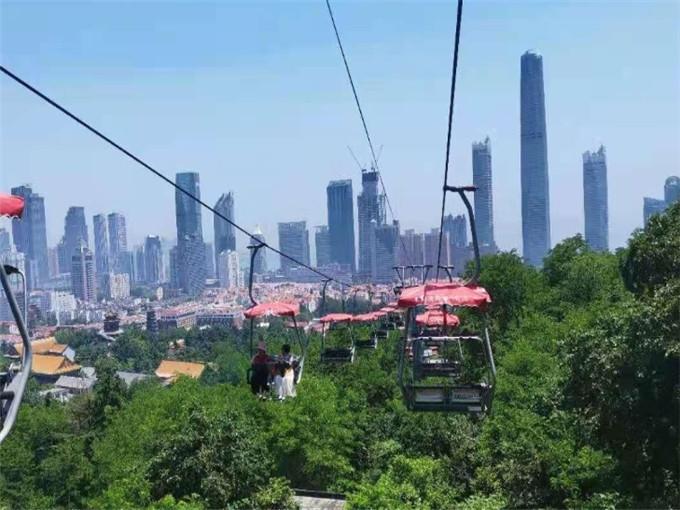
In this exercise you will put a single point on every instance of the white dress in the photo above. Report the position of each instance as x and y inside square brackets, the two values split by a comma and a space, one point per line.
[285, 386]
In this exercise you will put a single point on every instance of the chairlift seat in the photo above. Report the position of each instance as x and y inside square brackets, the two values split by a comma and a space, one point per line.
[338, 355]
[472, 398]
[369, 343]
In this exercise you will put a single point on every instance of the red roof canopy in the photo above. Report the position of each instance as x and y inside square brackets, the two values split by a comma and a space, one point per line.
[444, 293]
[365, 317]
[336, 317]
[277, 308]
[11, 205]
[437, 318]
[389, 308]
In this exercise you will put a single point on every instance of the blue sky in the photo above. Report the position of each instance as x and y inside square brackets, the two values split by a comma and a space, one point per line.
[253, 96]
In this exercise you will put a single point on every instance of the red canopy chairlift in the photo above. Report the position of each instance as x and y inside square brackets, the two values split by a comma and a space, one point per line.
[372, 341]
[340, 352]
[13, 381]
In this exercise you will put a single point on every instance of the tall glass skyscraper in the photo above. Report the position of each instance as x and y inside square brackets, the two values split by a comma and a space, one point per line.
[595, 204]
[322, 241]
[101, 244]
[293, 241]
[190, 257]
[117, 241]
[534, 161]
[30, 234]
[225, 236]
[652, 206]
[340, 203]
[153, 259]
[671, 190]
[371, 209]
[482, 179]
[75, 231]
[260, 262]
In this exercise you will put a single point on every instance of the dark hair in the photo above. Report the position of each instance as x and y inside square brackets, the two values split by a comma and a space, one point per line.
[285, 348]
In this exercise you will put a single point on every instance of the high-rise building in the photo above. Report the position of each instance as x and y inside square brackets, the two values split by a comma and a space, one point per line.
[652, 206]
[127, 265]
[153, 259]
[340, 204]
[386, 242]
[595, 203]
[5, 244]
[671, 190]
[230, 270]
[30, 234]
[482, 180]
[116, 286]
[190, 248]
[225, 235]
[63, 259]
[173, 264]
[322, 241]
[117, 240]
[413, 243]
[75, 232]
[140, 265]
[534, 162]
[210, 267]
[293, 241]
[260, 262]
[431, 249]
[82, 274]
[459, 250]
[101, 244]
[371, 212]
[16, 259]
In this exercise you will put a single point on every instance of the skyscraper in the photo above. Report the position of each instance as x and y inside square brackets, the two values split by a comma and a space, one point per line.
[386, 242]
[671, 190]
[140, 265]
[371, 211]
[595, 199]
[230, 270]
[431, 248]
[534, 162]
[190, 248]
[117, 240]
[482, 179]
[293, 241]
[210, 267]
[153, 259]
[30, 234]
[322, 241]
[459, 250]
[413, 243]
[101, 244]
[82, 274]
[260, 262]
[75, 232]
[225, 236]
[340, 203]
[652, 206]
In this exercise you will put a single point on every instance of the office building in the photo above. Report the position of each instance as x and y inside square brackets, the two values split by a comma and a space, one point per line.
[140, 265]
[153, 259]
[117, 240]
[225, 235]
[101, 244]
[371, 213]
[652, 206]
[82, 274]
[386, 242]
[293, 241]
[534, 162]
[117, 286]
[322, 241]
[340, 203]
[260, 262]
[210, 267]
[30, 234]
[190, 259]
[431, 249]
[482, 180]
[229, 270]
[595, 205]
[413, 243]
[671, 190]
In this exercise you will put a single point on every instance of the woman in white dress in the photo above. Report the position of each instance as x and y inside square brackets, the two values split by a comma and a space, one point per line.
[285, 374]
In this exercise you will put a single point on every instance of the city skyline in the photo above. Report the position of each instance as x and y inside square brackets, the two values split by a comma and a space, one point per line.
[578, 116]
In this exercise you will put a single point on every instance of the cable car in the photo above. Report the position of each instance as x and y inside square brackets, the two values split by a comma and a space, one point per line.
[434, 373]
[338, 327]
[274, 309]
[371, 342]
[13, 381]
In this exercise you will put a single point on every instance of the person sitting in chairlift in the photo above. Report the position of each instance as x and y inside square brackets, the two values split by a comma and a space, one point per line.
[260, 370]
[284, 380]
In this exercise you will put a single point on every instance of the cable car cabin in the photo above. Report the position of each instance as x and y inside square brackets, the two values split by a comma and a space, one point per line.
[280, 372]
[442, 368]
[337, 339]
[368, 340]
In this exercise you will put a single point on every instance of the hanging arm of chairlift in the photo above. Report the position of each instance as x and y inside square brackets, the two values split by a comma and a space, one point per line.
[461, 190]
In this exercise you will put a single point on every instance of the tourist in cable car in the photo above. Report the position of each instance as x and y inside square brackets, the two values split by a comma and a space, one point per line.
[284, 380]
[259, 364]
